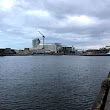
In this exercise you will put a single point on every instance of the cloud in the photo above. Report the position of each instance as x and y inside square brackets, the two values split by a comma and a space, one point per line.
[82, 23]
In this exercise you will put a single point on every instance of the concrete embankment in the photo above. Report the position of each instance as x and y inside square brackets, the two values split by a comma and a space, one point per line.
[101, 100]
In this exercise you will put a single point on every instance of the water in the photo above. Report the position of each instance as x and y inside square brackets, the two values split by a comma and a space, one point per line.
[51, 82]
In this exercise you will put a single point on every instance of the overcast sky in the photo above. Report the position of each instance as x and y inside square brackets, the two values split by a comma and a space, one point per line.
[81, 23]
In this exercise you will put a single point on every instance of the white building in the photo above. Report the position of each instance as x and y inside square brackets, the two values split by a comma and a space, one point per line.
[107, 47]
[48, 48]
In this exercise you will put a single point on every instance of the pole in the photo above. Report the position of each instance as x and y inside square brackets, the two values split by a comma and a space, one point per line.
[43, 45]
[43, 41]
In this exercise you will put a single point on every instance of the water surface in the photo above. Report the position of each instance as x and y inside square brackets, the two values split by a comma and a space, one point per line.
[51, 82]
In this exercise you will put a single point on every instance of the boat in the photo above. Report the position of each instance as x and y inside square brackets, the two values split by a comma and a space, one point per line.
[108, 54]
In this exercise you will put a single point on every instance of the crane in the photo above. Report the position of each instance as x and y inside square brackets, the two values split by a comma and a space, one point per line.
[43, 38]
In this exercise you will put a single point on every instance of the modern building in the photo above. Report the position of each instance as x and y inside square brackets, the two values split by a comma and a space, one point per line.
[35, 42]
[48, 48]
[52, 47]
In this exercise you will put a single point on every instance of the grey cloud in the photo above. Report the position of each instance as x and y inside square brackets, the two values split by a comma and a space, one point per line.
[26, 17]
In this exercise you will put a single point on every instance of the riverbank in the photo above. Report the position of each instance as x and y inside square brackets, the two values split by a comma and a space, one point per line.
[102, 101]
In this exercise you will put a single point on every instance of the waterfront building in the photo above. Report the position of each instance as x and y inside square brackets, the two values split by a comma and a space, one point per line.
[35, 42]
[68, 50]
[2, 50]
[48, 48]
[21, 52]
[7, 51]
[52, 47]
[107, 47]
[26, 51]
[95, 52]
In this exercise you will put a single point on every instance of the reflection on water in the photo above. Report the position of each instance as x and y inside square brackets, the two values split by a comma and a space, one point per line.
[51, 82]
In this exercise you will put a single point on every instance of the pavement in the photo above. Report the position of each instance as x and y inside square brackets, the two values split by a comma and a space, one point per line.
[107, 105]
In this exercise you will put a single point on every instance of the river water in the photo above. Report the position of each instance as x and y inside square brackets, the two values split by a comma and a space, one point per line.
[51, 82]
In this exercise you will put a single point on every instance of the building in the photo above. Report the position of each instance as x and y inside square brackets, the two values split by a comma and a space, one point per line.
[7, 51]
[20, 52]
[2, 51]
[95, 52]
[27, 51]
[107, 47]
[68, 50]
[35, 42]
[48, 48]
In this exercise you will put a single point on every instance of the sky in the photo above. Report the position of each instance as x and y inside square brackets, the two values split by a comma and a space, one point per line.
[84, 24]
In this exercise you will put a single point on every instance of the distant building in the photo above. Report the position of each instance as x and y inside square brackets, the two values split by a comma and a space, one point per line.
[48, 48]
[35, 42]
[95, 52]
[68, 50]
[20, 52]
[2, 51]
[26, 51]
[107, 47]
[7, 51]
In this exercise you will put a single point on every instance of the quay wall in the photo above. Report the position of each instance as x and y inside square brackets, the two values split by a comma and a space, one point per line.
[100, 101]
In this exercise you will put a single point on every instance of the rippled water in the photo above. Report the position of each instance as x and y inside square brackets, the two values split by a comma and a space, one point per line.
[51, 82]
